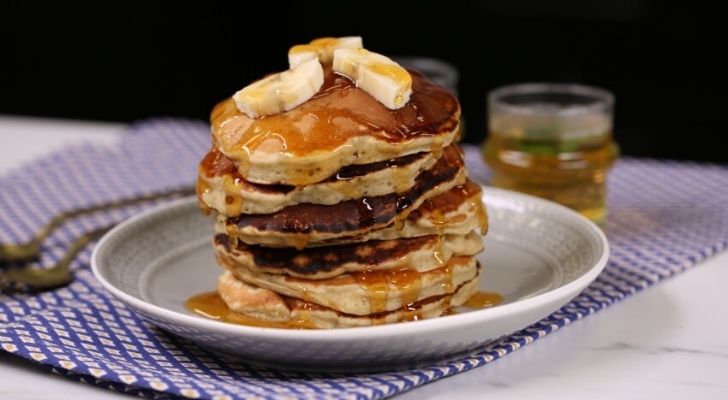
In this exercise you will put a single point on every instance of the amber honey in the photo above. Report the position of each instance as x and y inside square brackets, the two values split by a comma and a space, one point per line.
[573, 176]
[553, 141]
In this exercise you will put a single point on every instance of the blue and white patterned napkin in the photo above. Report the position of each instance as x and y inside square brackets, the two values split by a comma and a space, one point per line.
[664, 217]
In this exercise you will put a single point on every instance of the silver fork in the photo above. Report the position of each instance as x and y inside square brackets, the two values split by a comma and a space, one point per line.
[58, 275]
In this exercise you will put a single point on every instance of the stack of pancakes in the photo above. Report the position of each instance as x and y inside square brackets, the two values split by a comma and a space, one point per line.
[341, 212]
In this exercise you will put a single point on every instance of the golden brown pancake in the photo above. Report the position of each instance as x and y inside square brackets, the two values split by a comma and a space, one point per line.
[341, 212]
[419, 253]
[302, 224]
[363, 293]
[339, 126]
[221, 187]
[276, 310]
[458, 211]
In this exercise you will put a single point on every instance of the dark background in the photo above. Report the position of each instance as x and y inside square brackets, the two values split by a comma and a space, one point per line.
[125, 60]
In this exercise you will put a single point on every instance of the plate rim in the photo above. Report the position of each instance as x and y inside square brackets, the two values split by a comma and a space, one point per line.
[389, 330]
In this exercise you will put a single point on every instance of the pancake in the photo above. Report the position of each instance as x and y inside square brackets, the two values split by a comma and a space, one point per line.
[420, 254]
[279, 311]
[362, 293]
[221, 187]
[340, 212]
[458, 211]
[339, 126]
[306, 223]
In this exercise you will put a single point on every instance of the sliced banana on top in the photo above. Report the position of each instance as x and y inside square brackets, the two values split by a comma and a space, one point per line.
[374, 73]
[282, 91]
[322, 48]
[384, 79]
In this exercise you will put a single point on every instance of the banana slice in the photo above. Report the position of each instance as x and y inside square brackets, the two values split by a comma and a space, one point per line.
[376, 74]
[322, 48]
[282, 91]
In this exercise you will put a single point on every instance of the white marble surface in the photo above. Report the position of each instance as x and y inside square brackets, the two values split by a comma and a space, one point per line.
[669, 342]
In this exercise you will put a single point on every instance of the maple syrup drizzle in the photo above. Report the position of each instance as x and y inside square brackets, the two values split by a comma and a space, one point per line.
[215, 164]
[364, 213]
[401, 181]
[408, 282]
[477, 206]
[447, 285]
[395, 72]
[336, 113]
[300, 241]
[202, 188]
[211, 305]
[377, 285]
[436, 147]
[438, 252]
[450, 201]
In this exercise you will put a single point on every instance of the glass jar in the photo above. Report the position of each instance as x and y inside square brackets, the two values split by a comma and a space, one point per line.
[553, 141]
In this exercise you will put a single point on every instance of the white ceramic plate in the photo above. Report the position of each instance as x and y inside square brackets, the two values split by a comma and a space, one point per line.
[538, 255]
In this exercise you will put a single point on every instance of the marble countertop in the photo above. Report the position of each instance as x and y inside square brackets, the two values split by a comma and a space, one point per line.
[668, 342]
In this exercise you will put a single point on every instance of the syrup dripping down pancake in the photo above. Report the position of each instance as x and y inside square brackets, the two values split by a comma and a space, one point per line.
[367, 292]
[419, 254]
[341, 125]
[456, 212]
[241, 303]
[310, 223]
[221, 187]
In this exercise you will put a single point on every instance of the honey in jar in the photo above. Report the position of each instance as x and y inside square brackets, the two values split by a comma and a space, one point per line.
[553, 141]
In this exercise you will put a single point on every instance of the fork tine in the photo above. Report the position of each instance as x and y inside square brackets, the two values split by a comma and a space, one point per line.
[49, 278]
[31, 248]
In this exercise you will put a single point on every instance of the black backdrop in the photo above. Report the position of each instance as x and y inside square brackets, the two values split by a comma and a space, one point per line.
[124, 60]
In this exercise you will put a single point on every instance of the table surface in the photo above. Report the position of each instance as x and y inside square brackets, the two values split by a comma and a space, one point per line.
[668, 342]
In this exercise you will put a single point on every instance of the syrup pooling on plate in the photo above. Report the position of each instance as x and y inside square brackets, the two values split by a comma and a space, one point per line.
[484, 300]
[167, 226]
[338, 112]
[211, 305]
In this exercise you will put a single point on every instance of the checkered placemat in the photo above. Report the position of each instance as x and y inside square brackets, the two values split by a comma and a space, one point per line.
[664, 217]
